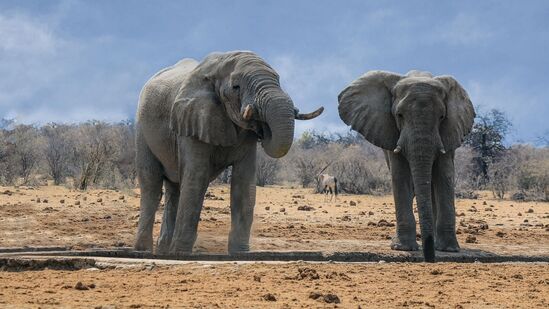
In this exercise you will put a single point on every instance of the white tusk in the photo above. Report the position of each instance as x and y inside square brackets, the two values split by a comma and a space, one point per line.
[248, 112]
[442, 151]
[397, 149]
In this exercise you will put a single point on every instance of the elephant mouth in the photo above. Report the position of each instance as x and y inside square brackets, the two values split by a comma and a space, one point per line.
[261, 129]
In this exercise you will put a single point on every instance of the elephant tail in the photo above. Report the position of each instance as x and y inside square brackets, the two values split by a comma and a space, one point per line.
[335, 185]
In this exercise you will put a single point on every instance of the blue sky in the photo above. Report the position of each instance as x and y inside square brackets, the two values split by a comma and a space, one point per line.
[72, 61]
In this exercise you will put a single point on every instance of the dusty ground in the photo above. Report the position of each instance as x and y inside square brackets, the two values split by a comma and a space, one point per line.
[295, 285]
[107, 218]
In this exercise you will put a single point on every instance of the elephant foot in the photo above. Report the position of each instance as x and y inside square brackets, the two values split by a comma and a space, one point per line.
[236, 249]
[163, 248]
[447, 244]
[180, 249]
[143, 245]
[404, 245]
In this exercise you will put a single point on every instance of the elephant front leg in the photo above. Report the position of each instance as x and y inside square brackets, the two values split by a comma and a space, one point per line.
[243, 192]
[443, 188]
[403, 194]
[168, 220]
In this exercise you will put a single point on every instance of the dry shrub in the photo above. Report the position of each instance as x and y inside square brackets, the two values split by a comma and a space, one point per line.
[362, 170]
[531, 172]
[266, 168]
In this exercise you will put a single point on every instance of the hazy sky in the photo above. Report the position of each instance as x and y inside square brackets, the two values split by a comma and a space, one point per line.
[77, 60]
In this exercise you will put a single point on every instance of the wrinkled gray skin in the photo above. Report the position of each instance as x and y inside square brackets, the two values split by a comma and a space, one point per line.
[194, 120]
[419, 120]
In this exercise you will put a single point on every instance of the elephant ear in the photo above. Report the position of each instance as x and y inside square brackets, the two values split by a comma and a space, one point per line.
[199, 114]
[460, 114]
[366, 106]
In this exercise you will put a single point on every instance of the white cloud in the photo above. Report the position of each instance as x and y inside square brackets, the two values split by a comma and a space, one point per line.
[19, 34]
[463, 29]
[46, 77]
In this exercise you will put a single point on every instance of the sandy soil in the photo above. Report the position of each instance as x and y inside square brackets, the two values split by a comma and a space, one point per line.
[51, 215]
[294, 285]
[101, 218]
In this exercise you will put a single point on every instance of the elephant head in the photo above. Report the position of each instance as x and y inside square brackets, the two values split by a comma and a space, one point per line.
[228, 92]
[417, 116]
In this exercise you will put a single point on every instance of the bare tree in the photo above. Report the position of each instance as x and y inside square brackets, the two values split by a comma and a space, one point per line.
[27, 149]
[94, 148]
[486, 139]
[7, 159]
[124, 158]
[58, 150]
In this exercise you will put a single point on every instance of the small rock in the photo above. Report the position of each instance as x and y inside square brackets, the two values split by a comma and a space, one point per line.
[346, 218]
[77, 203]
[80, 286]
[121, 197]
[99, 200]
[370, 213]
[500, 234]
[352, 203]
[269, 297]
[257, 278]
[119, 244]
[530, 211]
[484, 203]
[38, 200]
[471, 239]
[305, 208]
[314, 295]
[519, 214]
[331, 298]
[45, 201]
[62, 201]
[383, 223]
[282, 209]
[267, 208]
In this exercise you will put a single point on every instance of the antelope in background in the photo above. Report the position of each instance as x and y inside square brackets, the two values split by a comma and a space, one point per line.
[327, 183]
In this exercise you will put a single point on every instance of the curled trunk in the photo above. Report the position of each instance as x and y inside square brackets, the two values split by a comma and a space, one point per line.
[278, 113]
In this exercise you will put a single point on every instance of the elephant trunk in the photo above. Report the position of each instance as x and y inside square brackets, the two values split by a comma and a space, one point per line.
[278, 113]
[421, 166]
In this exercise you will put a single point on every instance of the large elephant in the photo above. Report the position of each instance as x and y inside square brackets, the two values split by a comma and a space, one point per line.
[419, 120]
[193, 121]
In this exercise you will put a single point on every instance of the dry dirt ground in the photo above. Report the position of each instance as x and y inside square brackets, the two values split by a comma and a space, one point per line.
[49, 216]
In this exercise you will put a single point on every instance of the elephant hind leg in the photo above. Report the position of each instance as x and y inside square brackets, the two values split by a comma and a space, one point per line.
[171, 201]
[150, 176]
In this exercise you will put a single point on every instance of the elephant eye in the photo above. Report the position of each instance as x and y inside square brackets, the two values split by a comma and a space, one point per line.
[441, 117]
[236, 87]
[399, 115]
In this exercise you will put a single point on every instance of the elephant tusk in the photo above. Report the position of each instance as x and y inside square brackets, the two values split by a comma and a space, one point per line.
[309, 116]
[248, 112]
[397, 149]
[442, 151]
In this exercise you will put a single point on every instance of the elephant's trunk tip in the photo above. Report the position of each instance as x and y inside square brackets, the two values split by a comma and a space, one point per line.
[429, 249]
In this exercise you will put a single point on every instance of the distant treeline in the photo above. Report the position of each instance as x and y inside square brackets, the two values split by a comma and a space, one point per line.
[100, 154]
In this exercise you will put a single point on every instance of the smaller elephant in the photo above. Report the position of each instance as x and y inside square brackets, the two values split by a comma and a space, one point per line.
[195, 119]
[419, 120]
